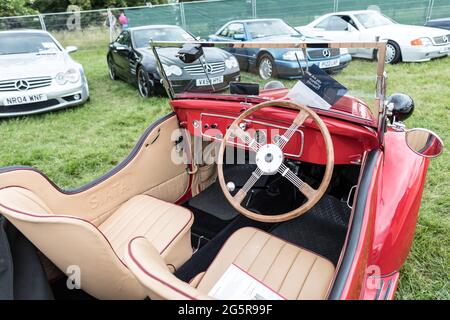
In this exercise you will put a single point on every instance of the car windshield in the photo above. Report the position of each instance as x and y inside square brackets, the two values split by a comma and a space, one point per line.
[142, 37]
[268, 28]
[14, 43]
[373, 20]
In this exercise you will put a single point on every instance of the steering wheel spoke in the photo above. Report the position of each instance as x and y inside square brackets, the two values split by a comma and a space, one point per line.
[270, 157]
[246, 138]
[304, 188]
[242, 193]
[298, 121]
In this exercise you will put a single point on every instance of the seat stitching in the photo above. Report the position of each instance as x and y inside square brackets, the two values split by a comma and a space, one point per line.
[131, 211]
[124, 219]
[31, 199]
[129, 234]
[245, 245]
[289, 270]
[273, 261]
[131, 218]
[307, 275]
[157, 219]
[161, 230]
[260, 250]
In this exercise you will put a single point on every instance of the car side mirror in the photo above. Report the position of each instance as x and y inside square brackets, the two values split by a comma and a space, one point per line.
[239, 36]
[402, 106]
[424, 142]
[190, 52]
[71, 49]
[120, 47]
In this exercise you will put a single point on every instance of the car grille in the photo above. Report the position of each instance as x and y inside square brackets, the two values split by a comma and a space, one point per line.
[319, 53]
[33, 83]
[29, 106]
[441, 40]
[211, 67]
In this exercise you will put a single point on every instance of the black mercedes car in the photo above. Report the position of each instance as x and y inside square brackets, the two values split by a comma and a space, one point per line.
[131, 59]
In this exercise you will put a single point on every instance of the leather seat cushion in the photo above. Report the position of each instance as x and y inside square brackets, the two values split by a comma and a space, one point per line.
[165, 225]
[293, 272]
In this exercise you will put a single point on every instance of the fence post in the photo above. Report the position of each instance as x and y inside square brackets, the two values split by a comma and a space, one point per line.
[182, 15]
[336, 6]
[429, 10]
[41, 20]
[254, 9]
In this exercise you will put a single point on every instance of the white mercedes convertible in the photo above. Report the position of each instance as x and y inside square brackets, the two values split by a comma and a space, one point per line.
[404, 42]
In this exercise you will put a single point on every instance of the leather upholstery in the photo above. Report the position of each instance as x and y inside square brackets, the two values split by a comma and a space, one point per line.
[165, 225]
[149, 170]
[68, 240]
[293, 272]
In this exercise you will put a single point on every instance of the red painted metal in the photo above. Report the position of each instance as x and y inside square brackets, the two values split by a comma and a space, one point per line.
[350, 140]
[390, 217]
[396, 186]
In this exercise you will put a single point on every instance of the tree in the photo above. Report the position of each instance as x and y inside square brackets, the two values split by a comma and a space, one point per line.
[15, 8]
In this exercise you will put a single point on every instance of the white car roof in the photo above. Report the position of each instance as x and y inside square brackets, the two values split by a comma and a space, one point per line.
[25, 31]
[351, 12]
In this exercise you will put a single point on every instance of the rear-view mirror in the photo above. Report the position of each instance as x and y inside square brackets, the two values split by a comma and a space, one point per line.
[424, 142]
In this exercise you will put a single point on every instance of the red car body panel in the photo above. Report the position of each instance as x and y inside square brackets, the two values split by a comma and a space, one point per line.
[393, 197]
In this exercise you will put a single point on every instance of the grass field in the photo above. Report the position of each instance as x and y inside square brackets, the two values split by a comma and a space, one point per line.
[77, 145]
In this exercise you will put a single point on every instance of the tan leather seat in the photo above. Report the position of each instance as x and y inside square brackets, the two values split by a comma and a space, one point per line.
[98, 251]
[289, 270]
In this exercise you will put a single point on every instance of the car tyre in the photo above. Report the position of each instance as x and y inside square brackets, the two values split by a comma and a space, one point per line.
[393, 53]
[145, 84]
[112, 69]
[266, 67]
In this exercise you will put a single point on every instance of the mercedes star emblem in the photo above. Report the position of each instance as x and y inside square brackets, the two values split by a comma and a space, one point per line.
[209, 68]
[22, 85]
[445, 39]
[326, 53]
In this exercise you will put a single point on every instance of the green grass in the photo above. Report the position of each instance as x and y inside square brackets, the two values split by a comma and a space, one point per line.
[75, 146]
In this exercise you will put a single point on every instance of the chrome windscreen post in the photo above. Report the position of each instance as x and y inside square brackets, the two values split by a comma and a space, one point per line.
[165, 80]
[203, 62]
[381, 90]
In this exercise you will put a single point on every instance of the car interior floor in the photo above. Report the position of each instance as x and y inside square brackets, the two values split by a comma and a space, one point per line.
[322, 229]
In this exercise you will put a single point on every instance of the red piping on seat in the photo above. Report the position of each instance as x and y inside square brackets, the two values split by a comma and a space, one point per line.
[153, 276]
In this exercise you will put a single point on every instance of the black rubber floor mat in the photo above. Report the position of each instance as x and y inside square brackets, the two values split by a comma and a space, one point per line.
[213, 201]
[321, 230]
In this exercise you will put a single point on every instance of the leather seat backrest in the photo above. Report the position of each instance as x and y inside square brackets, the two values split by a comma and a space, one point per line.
[72, 243]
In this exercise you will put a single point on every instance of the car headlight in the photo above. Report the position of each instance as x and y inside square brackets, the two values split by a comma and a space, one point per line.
[424, 42]
[231, 62]
[71, 75]
[293, 55]
[343, 51]
[172, 70]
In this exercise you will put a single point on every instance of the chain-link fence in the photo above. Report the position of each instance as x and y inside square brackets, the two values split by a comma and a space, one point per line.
[98, 27]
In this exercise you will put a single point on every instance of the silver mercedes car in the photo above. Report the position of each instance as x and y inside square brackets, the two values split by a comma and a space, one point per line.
[37, 74]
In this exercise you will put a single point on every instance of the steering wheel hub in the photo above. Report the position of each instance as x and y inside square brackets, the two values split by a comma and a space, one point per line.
[269, 159]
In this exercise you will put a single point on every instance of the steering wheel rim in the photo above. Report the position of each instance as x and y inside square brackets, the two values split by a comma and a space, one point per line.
[311, 194]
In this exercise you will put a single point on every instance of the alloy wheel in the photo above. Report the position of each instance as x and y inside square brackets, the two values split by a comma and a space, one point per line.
[391, 52]
[265, 68]
[143, 83]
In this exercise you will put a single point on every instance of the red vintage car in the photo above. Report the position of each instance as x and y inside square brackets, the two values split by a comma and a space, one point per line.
[251, 189]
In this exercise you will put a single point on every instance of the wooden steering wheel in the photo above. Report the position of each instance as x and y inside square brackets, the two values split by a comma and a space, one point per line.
[270, 158]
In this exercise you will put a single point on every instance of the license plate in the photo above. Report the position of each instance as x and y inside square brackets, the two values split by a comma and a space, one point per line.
[445, 50]
[205, 82]
[12, 101]
[329, 63]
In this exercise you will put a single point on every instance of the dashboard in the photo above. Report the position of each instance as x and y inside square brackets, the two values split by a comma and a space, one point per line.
[210, 118]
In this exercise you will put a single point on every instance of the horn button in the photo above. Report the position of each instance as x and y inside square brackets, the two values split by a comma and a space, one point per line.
[269, 158]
